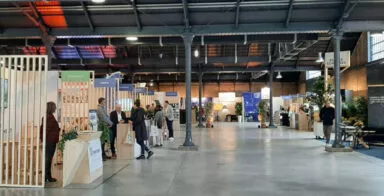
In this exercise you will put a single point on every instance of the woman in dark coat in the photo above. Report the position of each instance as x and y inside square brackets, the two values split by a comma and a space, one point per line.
[52, 137]
[138, 123]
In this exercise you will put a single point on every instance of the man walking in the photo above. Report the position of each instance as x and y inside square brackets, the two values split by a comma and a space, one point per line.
[168, 113]
[327, 115]
[117, 117]
[103, 118]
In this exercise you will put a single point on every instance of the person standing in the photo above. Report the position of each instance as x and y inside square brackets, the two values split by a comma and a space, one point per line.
[138, 121]
[117, 116]
[159, 118]
[52, 138]
[103, 118]
[168, 112]
[327, 115]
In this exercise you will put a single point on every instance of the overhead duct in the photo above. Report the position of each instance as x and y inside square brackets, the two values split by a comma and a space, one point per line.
[258, 74]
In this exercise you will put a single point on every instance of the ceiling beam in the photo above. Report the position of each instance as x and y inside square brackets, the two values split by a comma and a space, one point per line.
[347, 9]
[158, 61]
[237, 13]
[101, 52]
[186, 14]
[289, 14]
[222, 29]
[53, 52]
[88, 16]
[235, 39]
[136, 13]
[199, 5]
[78, 53]
[167, 70]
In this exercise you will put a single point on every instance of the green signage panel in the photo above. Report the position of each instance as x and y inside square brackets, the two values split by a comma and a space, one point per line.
[75, 76]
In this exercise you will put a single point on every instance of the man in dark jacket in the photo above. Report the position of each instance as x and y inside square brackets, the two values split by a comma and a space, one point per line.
[327, 114]
[138, 124]
[116, 117]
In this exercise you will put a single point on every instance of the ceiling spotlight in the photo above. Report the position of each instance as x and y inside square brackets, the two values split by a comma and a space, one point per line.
[320, 59]
[196, 53]
[131, 38]
[98, 1]
[279, 76]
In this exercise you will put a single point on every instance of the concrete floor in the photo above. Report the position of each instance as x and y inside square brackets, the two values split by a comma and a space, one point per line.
[240, 160]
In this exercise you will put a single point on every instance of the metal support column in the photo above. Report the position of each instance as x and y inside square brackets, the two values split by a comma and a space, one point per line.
[200, 100]
[188, 38]
[271, 123]
[337, 39]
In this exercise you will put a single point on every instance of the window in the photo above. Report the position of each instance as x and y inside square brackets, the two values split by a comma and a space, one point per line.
[376, 46]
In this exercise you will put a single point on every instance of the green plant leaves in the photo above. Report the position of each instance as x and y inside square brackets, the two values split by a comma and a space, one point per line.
[66, 137]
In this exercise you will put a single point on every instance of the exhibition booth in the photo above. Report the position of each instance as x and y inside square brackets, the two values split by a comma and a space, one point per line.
[78, 158]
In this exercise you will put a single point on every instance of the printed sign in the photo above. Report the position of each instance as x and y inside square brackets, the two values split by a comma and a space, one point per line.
[94, 155]
[265, 93]
[171, 94]
[75, 76]
[126, 87]
[345, 59]
[105, 83]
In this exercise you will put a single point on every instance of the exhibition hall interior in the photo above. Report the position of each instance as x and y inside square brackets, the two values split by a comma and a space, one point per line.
[191, 97]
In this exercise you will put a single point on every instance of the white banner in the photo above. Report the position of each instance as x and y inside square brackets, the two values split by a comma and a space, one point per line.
[345, 59]
[94, 155]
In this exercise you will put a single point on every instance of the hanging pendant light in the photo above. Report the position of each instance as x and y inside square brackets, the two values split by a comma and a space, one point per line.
[320, 59]
[279, 76]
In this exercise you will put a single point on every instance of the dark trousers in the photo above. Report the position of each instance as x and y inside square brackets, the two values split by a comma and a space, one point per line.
[113, 141]
[50, 149]
[103, 150]
[170, 127]
[143, 146]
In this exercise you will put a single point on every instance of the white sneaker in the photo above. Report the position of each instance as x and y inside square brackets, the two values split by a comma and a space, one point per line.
[171, 139]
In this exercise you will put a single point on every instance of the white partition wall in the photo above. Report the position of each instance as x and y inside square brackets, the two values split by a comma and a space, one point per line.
[22, 111]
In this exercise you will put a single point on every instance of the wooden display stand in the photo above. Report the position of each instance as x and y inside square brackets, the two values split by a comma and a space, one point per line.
[303, 122]
[82, 159]
[125, 142]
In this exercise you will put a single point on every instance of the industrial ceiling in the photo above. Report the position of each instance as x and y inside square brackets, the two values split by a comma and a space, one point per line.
[234, 38]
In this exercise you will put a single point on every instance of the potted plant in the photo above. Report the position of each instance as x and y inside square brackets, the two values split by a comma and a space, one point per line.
[263, 108]
[208, 114]
[239, 111]
[71, 135]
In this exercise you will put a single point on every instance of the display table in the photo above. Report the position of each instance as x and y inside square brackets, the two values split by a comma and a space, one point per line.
[357, 135]
[125, 142]
[83, 162]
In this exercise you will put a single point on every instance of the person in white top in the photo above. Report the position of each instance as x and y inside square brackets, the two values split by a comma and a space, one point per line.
[168, 113]
[117, 117]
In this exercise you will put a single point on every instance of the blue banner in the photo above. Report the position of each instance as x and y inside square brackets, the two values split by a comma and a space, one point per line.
[115, 75]
[105, 83]
[171, 94]
[141, 90]
[126, 87]
[251, 104]
[151, 92]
